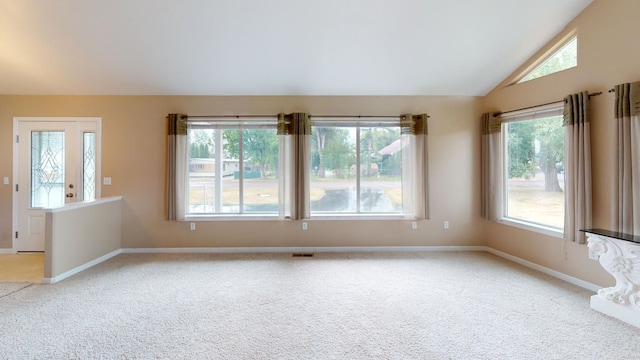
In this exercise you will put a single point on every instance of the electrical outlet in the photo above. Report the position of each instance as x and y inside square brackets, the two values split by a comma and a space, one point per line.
[414, 225]
[6, 180]
[192, 226]
[304, 225]
[446, 224]
[107, 181]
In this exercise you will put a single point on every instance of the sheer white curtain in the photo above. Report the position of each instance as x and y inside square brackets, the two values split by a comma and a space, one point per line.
[415, 172]
[176, 166]
[626, 197]
[577, 167]
[492, 168]
[285, 170]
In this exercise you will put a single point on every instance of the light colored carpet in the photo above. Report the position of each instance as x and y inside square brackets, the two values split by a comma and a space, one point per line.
[8, 288]
[331, 306]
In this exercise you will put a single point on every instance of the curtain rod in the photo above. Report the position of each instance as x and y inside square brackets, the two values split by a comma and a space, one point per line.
[227, 116]
[535, 106]
[324, 116]
[361, 116]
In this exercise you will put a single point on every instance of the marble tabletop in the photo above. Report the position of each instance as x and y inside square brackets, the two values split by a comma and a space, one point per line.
[613, 234]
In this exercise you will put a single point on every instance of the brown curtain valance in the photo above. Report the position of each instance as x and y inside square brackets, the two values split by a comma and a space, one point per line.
[576, 109]
[294, 123]
[414, 124]
[177, 124]
[285, 124]
[627, 100]
[491, 123]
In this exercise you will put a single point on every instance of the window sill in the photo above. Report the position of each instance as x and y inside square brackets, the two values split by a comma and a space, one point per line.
[323, 217]
[546, 230]
[232, 217]
[341, 217]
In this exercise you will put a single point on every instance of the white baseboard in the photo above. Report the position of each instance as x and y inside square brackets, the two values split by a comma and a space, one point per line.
[555, 274]
[231, 250]
[7, 251]
[80, 268]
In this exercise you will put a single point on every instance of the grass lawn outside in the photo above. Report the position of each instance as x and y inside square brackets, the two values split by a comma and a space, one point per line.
[536, 205]
[527, 199]
[256, 192]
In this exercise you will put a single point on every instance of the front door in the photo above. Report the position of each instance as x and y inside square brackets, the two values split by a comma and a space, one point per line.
[57, 164]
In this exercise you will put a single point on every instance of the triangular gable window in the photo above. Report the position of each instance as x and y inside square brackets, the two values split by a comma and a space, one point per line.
[565, 57]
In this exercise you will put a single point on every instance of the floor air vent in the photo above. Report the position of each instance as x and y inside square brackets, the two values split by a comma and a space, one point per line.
[302, 255]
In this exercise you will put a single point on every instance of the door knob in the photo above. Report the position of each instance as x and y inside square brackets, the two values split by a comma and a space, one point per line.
[70, 195]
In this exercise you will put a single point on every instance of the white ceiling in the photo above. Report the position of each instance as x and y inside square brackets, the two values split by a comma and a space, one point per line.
[276, 47]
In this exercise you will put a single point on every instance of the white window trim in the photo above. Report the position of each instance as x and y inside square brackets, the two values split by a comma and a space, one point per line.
[233, 217]
[362, 216]
[237, 123]
[525, 225]
[358, 123]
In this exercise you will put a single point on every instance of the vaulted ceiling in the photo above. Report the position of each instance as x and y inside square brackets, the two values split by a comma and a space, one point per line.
[276, 47]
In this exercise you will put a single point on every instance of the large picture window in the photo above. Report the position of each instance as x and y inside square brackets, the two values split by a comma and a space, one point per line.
[534, 167]
[294, 166]
[232, 167]
[356, 167]
[369, 167]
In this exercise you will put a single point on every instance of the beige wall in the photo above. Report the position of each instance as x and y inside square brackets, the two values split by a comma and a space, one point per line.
[608, 53]
[134, 146]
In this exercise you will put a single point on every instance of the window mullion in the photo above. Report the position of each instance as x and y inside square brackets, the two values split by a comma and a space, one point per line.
[240, 173]
[358, 171]
[282, 175]
[218, 178]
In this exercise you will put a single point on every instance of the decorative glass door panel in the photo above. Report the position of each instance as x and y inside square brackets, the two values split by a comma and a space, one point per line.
[89, 166]
[47, 169]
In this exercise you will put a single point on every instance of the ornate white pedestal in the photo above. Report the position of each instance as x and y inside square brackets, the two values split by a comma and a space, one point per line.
[619, 254]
